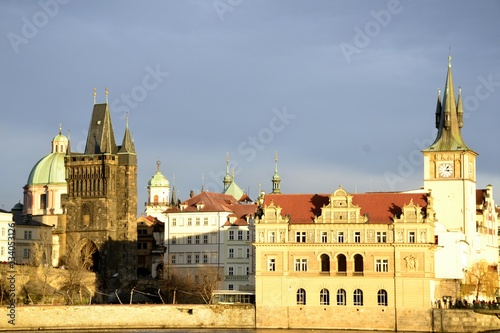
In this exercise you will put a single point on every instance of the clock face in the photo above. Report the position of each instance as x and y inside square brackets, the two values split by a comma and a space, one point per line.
[445, 170]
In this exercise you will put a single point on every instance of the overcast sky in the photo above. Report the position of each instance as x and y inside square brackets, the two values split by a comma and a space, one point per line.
[345, 91]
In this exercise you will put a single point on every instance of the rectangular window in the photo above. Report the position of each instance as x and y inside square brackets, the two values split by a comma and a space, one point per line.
[271, 264]
[231, 234]
[174, 240]
[190, 221]
[231, 253]
[248, 252]
[324, 237]
[411, 237]
[300, 236]
[271, 236]
[248, 235]
[26, 253]
[205, 239]
[248, 270]
[205, 221]
[300, 265]
[189, 239]
[172, 259]
[230, 287]
[240, 234]
[381, 265]
[357, 237]
[381, 237]
[198, 221]
[340, 237]
[231, 271]
[205, 258]
[174, 222]
[27, 234]
[197, 239]
[188, 258]
[197, 258]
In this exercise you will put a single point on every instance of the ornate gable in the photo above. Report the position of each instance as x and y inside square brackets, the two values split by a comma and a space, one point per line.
[340, 209]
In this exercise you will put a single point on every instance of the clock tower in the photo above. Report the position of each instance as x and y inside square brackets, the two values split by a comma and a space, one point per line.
[449, 168]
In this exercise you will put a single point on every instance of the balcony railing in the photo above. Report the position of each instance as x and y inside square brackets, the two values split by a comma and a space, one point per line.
[236, 277]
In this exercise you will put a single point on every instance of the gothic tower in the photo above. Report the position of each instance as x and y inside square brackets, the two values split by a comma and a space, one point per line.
[102, 200]
[450, 168]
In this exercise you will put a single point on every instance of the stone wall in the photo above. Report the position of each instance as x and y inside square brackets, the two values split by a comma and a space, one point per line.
[245, 316]
[451, 321]
[130, 316]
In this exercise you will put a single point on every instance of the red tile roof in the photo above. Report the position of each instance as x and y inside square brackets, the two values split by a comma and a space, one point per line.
[381, 207]
[217, 202]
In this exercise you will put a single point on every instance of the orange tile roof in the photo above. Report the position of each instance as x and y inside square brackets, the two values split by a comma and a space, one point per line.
[217, 202]
[381, 207]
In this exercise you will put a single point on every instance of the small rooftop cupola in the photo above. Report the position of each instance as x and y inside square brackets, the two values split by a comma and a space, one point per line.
[60, 142]
[276, 177]
[227, 178]
[449, 118]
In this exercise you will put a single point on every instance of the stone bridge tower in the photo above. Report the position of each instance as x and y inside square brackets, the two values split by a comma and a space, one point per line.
[102, 200]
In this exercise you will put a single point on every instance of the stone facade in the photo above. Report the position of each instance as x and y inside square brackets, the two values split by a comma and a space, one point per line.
[102, 200]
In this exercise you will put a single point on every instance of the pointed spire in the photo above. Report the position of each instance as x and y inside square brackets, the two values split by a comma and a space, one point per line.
[107, 93]
[174, 193]
[276, 178]
[449, 118]
[68, 149]
[227, 179]
[460, 109]
[438, 109]
[127, 143]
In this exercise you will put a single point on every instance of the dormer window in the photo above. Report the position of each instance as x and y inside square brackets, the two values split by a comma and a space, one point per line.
[200, 205]
[182, 207]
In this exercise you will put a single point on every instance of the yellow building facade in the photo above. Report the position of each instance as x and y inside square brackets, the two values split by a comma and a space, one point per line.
[341, 260]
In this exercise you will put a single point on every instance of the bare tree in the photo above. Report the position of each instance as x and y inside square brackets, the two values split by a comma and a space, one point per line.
[78, 261]
[481, 278]
[209, 280]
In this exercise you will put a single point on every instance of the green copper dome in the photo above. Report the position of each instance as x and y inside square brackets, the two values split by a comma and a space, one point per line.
[158, 180]
[49, 170]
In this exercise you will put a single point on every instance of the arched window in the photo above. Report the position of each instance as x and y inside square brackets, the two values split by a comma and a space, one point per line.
[301, 297]
[324, 297]
[358, 264]
[341, 297]
[358, 297]
[325, 263]
[341, 265]
[155, 199]
[382, 297]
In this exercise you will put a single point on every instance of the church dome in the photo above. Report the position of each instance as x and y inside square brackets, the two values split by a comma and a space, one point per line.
[49, 170]
[158, 180]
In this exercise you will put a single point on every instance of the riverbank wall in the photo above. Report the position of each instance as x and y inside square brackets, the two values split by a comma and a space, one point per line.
[45, 317]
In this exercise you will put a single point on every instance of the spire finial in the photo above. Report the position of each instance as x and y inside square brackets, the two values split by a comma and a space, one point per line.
[126, 119]
[233, 173]
[60, 128]
[158, 163]
[276, 162]
[107, 93]
[95, 94]
[202, 182]
[439, 92]
[69, 134]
